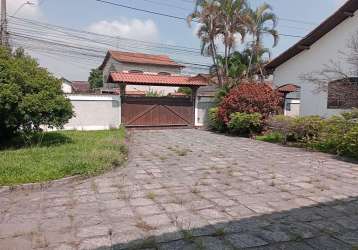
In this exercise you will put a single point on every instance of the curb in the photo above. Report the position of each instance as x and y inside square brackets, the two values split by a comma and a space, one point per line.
[39, 186]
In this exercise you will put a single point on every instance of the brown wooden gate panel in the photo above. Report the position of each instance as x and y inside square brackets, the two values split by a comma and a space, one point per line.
[157, 111]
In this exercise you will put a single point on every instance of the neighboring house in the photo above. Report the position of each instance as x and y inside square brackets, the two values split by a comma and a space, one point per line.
[313, 53]
[137, 63]
[75, 87]
[81, 87]
[66, 86]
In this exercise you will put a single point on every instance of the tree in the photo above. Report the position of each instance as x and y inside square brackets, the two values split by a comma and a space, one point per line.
[208, 16]
[256, 23]
[231, 24]
[96, 78]
[237, 64]
[220, 19]
[30, 97]
[185, 90]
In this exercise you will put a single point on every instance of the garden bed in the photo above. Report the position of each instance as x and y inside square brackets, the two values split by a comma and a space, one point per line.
[63, 154]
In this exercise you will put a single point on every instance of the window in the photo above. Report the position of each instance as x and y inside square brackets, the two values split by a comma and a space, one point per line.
[343, 94]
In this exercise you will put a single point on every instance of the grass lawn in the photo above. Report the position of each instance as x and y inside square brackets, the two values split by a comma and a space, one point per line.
[62, 154]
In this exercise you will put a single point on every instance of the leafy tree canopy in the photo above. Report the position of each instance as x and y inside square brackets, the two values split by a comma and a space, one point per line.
[96, 78]
[30, 97]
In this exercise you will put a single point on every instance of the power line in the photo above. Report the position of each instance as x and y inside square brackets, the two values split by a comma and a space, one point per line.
[167, 15]
[49, 38]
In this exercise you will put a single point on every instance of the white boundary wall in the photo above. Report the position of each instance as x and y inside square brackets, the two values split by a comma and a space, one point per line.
[202, 106]
[95, 112]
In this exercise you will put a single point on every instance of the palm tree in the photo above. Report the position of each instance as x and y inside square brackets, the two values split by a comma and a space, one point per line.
[256, 61]
[208, 17]
[229, 22]
[256, 23]
[232, 23]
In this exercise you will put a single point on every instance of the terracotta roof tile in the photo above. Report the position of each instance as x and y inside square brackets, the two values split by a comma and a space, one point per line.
[140, 58]
[161, 80]
[288, 88]
[80, 86]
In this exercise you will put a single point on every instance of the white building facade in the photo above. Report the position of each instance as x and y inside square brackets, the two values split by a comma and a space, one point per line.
[326, 44]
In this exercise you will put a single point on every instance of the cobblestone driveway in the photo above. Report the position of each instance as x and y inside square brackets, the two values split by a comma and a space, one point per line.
[191, 189]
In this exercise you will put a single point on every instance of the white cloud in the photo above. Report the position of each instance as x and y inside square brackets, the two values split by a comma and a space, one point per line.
[127, 28]
[21, 9]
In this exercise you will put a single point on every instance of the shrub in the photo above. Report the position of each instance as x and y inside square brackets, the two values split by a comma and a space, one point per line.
[250, 98]
[337, 135]
[30, 97]
[349, 143]
[245, 124]
[214, 122]
[307, 128]
[299, 129]
[283, 125]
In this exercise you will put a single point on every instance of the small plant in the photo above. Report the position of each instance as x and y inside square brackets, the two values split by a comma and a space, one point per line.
[220, 232]
[163, 158]
[148, 243]
[195, 190]
[188, 235]
[151, 195]
[273, 137]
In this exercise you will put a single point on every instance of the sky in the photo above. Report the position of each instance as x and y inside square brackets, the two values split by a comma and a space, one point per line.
[297, 18]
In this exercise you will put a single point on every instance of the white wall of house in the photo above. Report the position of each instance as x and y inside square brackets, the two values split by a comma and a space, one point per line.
[202, 106]
[95, 112]
[66, 88]
[329, 47]
[292, 107]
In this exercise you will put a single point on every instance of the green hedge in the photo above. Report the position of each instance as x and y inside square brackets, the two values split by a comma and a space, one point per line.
[245, 124]
[338, 134]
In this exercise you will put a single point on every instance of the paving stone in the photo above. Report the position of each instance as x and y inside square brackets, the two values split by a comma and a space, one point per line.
[173, 207]
[95, 243]
[211, 243]
[149, 210]
[141, 202]
[178, 245]
[245, 240]
[93, 231]
[157, 220]
[328, 243]
[16, 243]
[258, 195]
[349, 237]
[212, 213]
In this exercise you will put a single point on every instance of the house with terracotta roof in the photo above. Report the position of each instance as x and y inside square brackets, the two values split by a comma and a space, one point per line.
[325, 44]
[75, 87]
[125, 73]
[134, 66]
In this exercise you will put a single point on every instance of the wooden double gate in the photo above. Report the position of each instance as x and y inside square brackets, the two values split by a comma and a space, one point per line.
[158, 111]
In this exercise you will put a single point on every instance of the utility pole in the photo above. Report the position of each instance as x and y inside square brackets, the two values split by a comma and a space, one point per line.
[4, 34]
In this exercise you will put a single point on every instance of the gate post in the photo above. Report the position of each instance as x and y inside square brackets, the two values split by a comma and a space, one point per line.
[194, 91]
[122, 89]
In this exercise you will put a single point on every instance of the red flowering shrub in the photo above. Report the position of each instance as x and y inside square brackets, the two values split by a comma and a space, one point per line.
[250, 98]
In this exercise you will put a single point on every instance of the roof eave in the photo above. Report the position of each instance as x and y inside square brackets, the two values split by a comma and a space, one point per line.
[343, 13]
